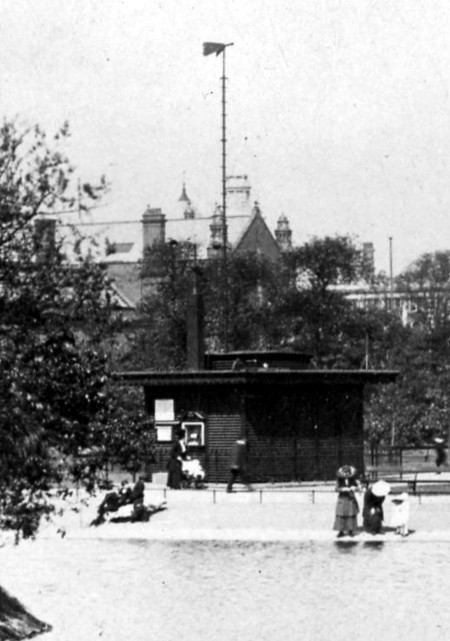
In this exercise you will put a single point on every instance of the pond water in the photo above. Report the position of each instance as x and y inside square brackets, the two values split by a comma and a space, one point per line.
[140, 590]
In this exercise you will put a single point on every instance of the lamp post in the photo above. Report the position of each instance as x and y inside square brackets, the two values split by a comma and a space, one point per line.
[391, 274]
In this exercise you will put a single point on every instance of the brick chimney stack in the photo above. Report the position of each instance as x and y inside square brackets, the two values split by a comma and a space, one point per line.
[154, 227]
[195, 316]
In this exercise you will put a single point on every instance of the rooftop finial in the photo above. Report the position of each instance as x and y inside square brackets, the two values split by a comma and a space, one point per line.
[256, 208]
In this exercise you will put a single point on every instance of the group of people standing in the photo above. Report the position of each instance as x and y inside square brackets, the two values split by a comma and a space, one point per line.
[347, 507]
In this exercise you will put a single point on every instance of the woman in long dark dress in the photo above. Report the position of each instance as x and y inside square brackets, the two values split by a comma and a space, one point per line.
[441, 455]
[373, 515]
[174, 465]
[347, 506]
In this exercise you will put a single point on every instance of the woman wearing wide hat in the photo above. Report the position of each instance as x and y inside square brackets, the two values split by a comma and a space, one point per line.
[373, 515]
[347, 506]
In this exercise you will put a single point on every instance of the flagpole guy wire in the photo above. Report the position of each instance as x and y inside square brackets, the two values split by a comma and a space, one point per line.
[219, 48]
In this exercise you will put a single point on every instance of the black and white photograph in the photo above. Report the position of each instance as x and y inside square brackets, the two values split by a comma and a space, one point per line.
[224, 320]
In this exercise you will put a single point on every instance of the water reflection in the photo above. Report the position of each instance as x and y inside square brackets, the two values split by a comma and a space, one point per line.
[373, 545]
[346, 546]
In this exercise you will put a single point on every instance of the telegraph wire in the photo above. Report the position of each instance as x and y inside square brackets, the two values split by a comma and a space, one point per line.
[79, 223]
[55, 213]
[87, 211]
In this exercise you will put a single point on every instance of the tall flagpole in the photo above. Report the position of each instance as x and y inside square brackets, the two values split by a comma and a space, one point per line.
[224, 166]
[219, 48]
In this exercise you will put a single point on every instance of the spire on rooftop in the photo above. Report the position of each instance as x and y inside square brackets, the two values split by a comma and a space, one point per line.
[184, 197]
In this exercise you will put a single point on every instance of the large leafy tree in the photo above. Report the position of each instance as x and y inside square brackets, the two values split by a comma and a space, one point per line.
[257, 304]
[167, 272]
[129, 439]
[418, 407]
[252, 299]
[328, 261]
[320, 312]
[426, 282]
[301, 302]
[54, 310]
[241, 307]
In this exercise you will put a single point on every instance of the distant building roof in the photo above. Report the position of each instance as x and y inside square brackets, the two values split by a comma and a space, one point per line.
[120, 301]
[197, 230]
[127, 282]
[120, 246]
[124, 253]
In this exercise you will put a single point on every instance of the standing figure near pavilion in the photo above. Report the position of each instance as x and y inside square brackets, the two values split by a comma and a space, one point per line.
[347, 508]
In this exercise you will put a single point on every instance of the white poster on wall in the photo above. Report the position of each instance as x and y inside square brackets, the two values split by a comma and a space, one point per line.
[164, 410]
[164, 433]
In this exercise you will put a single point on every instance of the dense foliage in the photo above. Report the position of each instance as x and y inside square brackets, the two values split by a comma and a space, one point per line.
[257, 304]
[299, 302]
[54, 308]
[417, 408]
[128, 439]
[57, 329]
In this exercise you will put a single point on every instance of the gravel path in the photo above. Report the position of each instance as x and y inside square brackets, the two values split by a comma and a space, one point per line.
[272, 514]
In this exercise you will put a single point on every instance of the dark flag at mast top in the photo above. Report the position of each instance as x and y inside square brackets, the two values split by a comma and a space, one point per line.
[213, 47]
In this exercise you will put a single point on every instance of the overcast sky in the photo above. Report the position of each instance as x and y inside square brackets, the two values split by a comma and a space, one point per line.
[339, 110]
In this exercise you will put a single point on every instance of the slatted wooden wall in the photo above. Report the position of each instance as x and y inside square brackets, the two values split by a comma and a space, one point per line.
[294, 435]
[224, 427]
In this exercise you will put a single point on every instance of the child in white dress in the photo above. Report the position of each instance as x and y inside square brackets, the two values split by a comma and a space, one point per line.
[400, 514]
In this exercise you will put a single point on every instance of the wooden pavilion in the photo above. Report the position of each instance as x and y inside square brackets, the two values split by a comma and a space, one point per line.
[301, 423]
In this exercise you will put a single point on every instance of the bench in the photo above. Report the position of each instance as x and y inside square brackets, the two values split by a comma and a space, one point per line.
[410, 480]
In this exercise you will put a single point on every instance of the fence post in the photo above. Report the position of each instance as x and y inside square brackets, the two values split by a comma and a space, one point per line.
[216, 464]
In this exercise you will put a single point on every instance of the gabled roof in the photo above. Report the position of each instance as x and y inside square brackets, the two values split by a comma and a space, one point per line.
[245, 233]
[256, 236]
